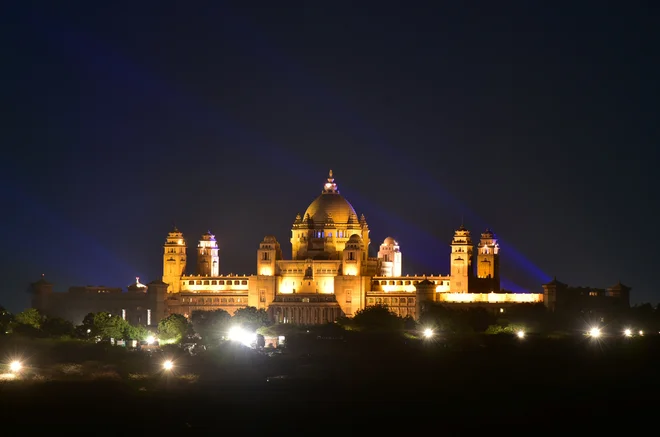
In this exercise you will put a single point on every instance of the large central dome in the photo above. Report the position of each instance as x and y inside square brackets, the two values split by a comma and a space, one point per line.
[330, 202]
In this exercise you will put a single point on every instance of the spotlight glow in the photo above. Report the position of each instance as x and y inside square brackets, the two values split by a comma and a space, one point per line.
[242, 336]
[428, 333]
[594, 332]
[15, 366]
[627, 333]
[521, 334]
[168, 365]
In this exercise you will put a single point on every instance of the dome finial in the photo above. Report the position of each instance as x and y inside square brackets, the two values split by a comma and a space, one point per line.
[330, 186]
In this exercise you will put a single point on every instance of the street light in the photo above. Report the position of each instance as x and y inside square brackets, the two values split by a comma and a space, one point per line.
[627, 333]
[521, 334]
[428, 333]
[594, 332]
[15, 366]
[168, 365]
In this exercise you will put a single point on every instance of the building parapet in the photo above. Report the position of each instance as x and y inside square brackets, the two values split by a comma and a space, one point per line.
[407, 284]
[490, 297]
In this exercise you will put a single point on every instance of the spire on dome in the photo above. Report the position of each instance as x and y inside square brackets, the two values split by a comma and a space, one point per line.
[330, 186]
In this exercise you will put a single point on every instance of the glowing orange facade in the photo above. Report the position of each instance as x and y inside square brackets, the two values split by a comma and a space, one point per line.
[330, 273]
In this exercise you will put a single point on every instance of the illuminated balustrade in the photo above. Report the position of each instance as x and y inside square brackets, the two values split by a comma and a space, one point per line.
[490, 297]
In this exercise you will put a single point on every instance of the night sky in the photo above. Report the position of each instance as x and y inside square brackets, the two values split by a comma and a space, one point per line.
[121, 119]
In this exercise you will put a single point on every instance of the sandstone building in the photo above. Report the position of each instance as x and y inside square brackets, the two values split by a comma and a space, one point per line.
[330, 273]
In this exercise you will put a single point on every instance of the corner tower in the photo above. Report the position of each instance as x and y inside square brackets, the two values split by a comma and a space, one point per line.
[41, 292]
[390, 258]
[461, 261]
[353, 256]
[323, 231]
[268, 253]
[174, 260]
[208, 261]
[488, 261]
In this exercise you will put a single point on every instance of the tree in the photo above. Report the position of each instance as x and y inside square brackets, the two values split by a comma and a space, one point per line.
[378, 318]
[6, 318]
[643, 316]
[463, 321]
[346, 323]
[86, 330]
[505, 329]
[108, 326]
[172, 327]
[211, 325]
[251, 318]
[138, 332]
[533, 315]
[30, 317]
[57, 327]
[409, 323]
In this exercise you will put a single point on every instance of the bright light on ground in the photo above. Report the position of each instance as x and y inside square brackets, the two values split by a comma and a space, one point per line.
[594, 332]
[242, 336]
[627, 333]
[521, 334]
[15, 366]
[168, 365]
[428, 333]
[151, 339]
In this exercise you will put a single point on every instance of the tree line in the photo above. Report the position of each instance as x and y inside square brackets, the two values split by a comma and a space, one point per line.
[532, 318]
[103, 326]
[211, 326]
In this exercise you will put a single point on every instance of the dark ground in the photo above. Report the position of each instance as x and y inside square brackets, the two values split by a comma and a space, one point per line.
[498, 384]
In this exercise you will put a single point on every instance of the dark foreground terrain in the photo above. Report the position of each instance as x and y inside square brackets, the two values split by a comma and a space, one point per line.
[499, 385]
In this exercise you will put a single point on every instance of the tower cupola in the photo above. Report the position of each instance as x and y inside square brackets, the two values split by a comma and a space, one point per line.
[208, 259]
[174, 260]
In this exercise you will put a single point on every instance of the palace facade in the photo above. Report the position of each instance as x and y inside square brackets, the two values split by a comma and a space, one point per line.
[330, 273]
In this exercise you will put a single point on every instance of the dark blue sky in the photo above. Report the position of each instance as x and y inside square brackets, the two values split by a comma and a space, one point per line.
[538, 121]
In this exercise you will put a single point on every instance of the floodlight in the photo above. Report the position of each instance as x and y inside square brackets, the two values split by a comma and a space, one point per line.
[15, 366]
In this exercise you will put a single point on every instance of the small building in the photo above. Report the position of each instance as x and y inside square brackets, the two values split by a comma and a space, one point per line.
[140, 304]
[558, 296]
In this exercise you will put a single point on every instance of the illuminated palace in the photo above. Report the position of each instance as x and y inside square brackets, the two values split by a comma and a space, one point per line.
[330, 273]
